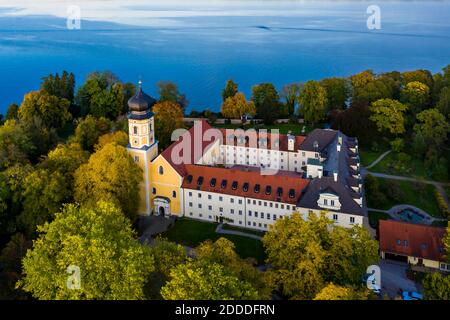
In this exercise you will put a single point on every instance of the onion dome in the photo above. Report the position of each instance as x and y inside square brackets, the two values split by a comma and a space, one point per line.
[140, 101]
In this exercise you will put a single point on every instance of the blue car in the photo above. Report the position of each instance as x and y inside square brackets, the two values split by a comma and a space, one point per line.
[411, 295]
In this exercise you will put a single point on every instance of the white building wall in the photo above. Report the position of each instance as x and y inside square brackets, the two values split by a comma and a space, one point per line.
[340, 219]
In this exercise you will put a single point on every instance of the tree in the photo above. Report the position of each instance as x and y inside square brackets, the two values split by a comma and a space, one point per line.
[62, 87]
[11, 261]
[236, 106]
[43, 195]
[433, 126]
[168, 117]
[388, 115]
[444, 102]
[335, 292]
[168, 92]
[222, 251]
[313, 102]
[290, 95]
[230, 90]
[166, 255]
[304, 255]
[337, 92]
[53, 111]
[116, 137]
[436, 286]
[367, 88]
[199, 280]
[15, 144]
[423, 76]
[266, 100]
[11, 196]
[65, 158]
[100, 242]
[110, 175]
[102, 95]
[13, 112]
[416, 96]
[89, 130]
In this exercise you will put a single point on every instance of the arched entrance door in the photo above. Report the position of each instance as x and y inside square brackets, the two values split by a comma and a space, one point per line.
[161, 211]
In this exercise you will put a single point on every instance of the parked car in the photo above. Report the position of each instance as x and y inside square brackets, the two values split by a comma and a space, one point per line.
[411, 295]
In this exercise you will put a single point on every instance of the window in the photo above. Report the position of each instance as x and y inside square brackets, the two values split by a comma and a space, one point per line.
[209, 207]
[223, 185]
[161, 170]
[190, 193]
[254, 224]
[274, 217]
[220, 198]
[332, 202]
[136, 158]
[245, 187]
[190, 204]
[199, 205]
[210, 217]
[249, 213]
[265, 225]
[249, 223]
[248, 201]
[271, 204]
[335, 217]
[234, 185]
[200, 215]
[352, 219]
[325, 202]
[256, 189]
[174, 194]
[268, 190]
[135, 130]
[256, 214]
[190, 213]
[199, 195]
[154, 190]
[240, 212]
[232, 211]
[221, 209]
[276, 205]
[189, 178]
[282, 206]
[209, 197]
[240, 222]
[212, 183]
[200, 181]
[254, 202]
[399, 242]
[240, 201]
[232, 200]
[291, 193]
[405, 243]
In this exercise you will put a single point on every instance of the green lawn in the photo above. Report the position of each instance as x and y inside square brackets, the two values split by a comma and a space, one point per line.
[414, 168]
[375, 217]
[191, 233]
[367, 156]
[396, 192]
[255, 232]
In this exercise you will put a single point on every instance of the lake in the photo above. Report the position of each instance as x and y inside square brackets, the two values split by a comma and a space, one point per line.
[202, 44]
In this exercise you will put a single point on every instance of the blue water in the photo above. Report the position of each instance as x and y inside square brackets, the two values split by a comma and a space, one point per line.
[411, 216]
[251, 42]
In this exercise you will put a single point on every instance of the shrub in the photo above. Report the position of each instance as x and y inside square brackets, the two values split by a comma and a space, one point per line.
[442, 204]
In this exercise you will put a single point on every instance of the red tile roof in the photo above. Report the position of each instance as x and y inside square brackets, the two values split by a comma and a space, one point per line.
[191, 137]
[422, 241]
[252, 176]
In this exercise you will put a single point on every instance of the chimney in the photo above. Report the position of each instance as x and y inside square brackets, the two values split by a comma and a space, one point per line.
[291, 141]
[319, 173]
[338, 147]
[335, 176]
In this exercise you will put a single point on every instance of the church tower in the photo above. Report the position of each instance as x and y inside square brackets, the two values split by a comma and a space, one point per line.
[142, 146]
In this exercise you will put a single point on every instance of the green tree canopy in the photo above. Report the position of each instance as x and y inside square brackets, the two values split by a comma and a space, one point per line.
[89, 130]
[290, 94]
[416, 96]
[444, 102]
[266, 100]
[388, 115]
[15, 144]
[100, 242]
[423, 76]
[313, 102]
[236, 106]
[13, 112]
[230, 90]
[116, 137]
[43, 195]
[201, 280]
[433, 126]
[305, 255]
[53, 111]
[110, 175]
[335, 292]
[168, 92]
[102, 95]
[337, 92]
[168, 117]
[62, 87]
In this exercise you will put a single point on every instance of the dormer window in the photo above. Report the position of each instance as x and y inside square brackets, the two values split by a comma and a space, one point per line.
[200, 181]
[234, 185]
[257, 187]
[329, 200]
[189, 178]
[268, 190]
[223, 185]
[291, 193]
[245, 187]
[212, 183]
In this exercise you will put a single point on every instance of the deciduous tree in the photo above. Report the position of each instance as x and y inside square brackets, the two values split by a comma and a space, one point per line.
[433, 126]
[267, 102]
[388, 115]
[168, 92]
[230, 90]
[416, 96]
[313, 102]
[236, 106]
[168, 117]
[110, 175]
[100, 242]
